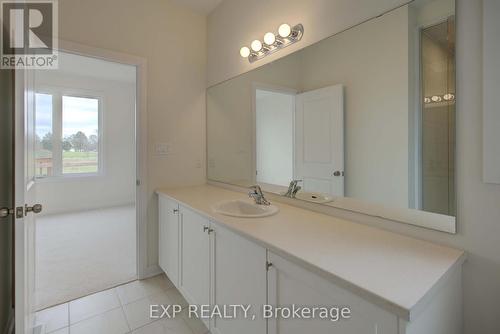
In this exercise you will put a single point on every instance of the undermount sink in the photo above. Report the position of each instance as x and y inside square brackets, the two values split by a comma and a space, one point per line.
[313, 197]
[244, 209]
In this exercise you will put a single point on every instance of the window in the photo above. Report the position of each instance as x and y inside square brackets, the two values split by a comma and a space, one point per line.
[80, 129]
[43, 135]
[67, 135]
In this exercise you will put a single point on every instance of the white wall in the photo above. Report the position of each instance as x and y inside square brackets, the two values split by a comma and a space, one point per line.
[491, 73]
[116, 183]
[173, 41]
[478, 203]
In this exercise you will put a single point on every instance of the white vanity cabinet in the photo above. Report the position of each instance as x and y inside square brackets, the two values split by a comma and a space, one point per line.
[168, 256]
[212, 263]
[290, 284]
[238, 277]
[215, 266]
[194, 248]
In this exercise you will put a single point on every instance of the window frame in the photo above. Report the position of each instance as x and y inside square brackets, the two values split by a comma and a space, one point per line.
[57, 94]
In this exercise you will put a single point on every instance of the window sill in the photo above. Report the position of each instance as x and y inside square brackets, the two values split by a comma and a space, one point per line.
[68, 177]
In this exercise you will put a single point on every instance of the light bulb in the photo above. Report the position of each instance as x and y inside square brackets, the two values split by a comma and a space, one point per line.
[284, 30]
[427, 100]
[256, 45]
[269, 38]
[244, 52]
[436, 98]
[449, 97]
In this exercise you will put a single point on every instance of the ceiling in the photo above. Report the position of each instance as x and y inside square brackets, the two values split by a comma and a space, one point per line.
[201, 6]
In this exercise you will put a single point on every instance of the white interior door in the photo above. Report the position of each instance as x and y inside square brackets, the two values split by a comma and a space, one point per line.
[24, 201]
[319, 140]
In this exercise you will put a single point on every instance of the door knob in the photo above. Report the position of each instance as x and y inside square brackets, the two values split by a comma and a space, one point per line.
[18, 211]
[37, 208]
[5, 212]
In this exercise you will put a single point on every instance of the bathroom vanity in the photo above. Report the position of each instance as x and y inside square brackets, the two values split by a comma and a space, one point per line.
[391, 283]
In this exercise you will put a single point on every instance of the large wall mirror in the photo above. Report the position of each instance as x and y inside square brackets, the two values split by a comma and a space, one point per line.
[363, 119]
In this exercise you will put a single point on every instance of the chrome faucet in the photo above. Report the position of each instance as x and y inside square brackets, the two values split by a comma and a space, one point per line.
[293, 188]
[258, 196]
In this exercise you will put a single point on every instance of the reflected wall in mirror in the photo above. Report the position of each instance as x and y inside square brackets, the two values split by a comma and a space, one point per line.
[368, 114]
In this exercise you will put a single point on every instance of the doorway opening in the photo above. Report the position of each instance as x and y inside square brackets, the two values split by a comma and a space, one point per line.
[85, 176]
[274, 137]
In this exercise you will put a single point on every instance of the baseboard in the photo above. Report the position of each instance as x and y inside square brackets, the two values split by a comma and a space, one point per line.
[39, 329]
[93, 207]
[151, 271]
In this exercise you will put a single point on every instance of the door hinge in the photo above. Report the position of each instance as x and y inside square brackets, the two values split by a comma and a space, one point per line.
[268, 265]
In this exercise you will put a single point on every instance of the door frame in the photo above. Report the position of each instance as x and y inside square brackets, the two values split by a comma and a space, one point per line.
[143, 270]
[22, 299]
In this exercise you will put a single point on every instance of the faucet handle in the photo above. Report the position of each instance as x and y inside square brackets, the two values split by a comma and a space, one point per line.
[296, 190]
[258, 195]
[256, 189]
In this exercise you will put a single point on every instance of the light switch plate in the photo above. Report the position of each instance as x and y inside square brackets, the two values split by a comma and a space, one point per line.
[162, 149]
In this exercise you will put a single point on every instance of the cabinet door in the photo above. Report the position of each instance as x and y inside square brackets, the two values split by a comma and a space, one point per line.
[290, 284]
[195, 257]
[168, 256]
[238, 277]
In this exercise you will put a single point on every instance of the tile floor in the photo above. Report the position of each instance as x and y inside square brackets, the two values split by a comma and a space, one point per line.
[120, 310]
[85, 251]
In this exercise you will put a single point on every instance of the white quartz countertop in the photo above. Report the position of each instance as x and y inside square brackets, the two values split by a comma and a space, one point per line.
[395, 272]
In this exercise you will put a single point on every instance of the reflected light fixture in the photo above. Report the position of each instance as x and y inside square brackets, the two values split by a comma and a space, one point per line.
[286, 36]
[436, 98]
[448, 97]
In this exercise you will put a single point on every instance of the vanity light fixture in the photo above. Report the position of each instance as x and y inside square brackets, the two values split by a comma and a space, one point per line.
[286, 36]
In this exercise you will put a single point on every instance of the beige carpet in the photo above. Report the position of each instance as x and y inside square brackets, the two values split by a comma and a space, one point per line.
[84, 252]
